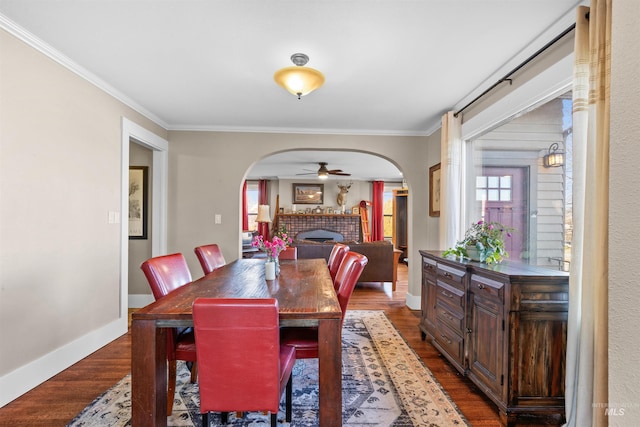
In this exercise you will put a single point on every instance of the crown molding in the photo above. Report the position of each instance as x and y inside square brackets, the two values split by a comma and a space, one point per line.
[49, 51]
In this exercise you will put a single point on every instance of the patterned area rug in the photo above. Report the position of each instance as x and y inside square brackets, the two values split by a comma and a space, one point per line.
[383, 384]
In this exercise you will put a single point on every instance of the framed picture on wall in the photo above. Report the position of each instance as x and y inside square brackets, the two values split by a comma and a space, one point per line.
[138, 196]
[308, 194]
[434, 190]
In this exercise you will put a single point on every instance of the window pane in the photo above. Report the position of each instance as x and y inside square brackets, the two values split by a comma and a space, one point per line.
[388, 226]
[512, 186]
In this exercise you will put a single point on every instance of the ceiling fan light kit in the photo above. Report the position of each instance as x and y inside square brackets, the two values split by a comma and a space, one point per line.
[323, 172]
[299, 80]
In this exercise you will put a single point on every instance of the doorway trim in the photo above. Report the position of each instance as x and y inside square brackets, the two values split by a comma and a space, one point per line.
[159, 182]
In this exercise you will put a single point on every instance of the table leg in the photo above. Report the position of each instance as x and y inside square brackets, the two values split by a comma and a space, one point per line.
[330, 372]
[148, 374]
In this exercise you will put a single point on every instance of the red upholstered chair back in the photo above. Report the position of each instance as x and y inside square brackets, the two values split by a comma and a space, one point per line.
[335, 258]
[210, 257]
[166, 273]
[290, 253]
[238, 348]
[347, 277]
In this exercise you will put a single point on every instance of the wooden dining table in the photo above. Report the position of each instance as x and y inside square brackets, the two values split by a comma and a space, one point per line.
[305, 295]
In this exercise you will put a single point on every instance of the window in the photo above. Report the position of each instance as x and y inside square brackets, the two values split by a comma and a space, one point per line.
[510, 184]
[387, 208]
[252, 205]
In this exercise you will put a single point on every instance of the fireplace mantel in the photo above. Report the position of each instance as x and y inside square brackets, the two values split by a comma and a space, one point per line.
[346, 224]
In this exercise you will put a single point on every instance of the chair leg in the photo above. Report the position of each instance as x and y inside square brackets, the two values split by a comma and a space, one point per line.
[205, 419]
[288, 398]
[171, 387]
[274, 420]
[194, 372]
[225, 418]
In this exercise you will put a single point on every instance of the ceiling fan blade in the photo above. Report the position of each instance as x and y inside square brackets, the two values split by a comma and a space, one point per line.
[308, 173]
[334, 170]
[339, 173]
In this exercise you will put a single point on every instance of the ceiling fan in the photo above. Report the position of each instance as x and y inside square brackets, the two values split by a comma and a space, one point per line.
[323, 172]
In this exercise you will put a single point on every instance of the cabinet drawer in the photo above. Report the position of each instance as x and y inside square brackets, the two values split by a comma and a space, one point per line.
[451, 296]
[487, 288]
[429, 266]
[452, 276]
[453, 318]
[450, 341]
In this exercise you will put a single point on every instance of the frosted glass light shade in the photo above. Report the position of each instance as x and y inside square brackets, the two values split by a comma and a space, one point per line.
[299, 80]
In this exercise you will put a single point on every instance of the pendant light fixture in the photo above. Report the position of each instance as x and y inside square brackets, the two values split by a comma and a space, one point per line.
[299, 80]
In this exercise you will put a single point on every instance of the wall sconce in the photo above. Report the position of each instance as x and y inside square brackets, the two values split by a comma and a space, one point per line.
[553, 158]
[263, 214]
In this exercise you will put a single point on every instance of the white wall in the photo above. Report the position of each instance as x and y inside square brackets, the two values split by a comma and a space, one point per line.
[624, 220]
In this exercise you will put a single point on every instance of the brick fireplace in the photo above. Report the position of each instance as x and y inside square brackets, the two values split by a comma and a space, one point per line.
[346, 225]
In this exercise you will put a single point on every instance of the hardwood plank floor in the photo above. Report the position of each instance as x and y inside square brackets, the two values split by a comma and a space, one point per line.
[58, 400]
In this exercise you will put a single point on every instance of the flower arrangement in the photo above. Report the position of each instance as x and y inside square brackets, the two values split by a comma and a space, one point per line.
[283, 234]
[487, 238]
[271, 248]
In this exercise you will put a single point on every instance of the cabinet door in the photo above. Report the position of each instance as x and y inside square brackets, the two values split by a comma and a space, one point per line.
[428, 303]
[486, 342]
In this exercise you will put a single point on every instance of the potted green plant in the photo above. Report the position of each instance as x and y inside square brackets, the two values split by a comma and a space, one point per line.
[483, 241]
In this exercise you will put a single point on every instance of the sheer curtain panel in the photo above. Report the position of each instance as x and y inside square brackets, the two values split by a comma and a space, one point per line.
[451, 180]
[587, 342]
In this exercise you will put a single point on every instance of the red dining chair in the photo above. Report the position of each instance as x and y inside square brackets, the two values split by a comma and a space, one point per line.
[165, 274]
[338, 252]
[210, 257]
[305, 339]
[252, 369]
[289, 253]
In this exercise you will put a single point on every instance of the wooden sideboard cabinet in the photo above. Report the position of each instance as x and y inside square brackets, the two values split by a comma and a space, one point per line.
[505, 327]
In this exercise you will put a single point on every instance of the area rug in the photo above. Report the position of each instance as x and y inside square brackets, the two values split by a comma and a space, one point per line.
[384, 384]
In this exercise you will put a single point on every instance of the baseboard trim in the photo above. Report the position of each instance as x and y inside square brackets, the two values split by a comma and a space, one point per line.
[140, 300]
[413, 302]
[16, 383]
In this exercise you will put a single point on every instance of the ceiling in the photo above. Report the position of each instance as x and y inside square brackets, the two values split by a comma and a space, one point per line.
[392, 67]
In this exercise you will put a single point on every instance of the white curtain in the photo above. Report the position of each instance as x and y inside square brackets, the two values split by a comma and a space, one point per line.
[587, 345]
[450, 180]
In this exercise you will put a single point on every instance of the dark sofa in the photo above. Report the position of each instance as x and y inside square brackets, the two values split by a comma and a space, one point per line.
[383, 258]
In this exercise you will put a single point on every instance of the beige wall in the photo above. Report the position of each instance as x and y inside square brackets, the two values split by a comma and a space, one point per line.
[206, 170]
[624, 220]
[60, 176]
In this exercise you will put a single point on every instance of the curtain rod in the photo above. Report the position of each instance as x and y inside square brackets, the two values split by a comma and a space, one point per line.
[506, 78]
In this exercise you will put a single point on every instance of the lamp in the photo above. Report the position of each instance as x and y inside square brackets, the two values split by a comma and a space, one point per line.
[299, 80]
[263, 214]
[553, 158]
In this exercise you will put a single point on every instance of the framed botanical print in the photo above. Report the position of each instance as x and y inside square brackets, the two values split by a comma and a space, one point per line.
[138, 196]
[434, 190]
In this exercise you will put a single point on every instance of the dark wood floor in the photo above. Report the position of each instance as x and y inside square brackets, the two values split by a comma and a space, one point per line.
[57, 401]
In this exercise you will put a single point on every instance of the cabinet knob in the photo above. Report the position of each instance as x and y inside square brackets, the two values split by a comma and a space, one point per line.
[447, 275]
[444, 337]
[469, 330]
[480, 286]
[446, 294]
